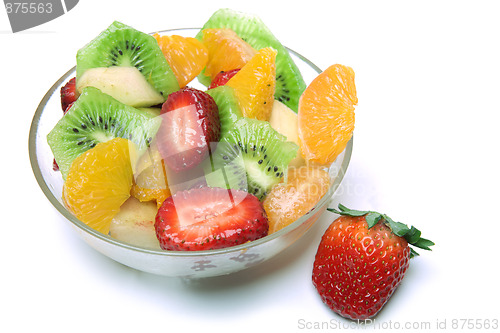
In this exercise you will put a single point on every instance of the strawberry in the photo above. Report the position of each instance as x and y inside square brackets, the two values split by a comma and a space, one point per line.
[68, 94]
[209, 218]
[222, 78]
[69, 107]
[55, 167]
[361, 260]
[190, 122]
[68, 97]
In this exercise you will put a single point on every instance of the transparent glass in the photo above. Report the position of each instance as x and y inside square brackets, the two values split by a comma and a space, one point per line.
[193, 264]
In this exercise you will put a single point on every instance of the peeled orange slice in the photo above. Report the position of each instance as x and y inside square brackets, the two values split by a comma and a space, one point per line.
[150, 181]
[286, 202]
[99, 182]
[254, 85]
[226, 51]
[186, 56]
[326, 115]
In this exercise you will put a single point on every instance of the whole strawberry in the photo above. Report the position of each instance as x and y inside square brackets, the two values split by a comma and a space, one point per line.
[361, 260]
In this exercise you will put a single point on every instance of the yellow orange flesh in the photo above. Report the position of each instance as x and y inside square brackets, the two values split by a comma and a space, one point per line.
[99, 182]
[226, 51]
[150, 181]
[286, 202]
[254, 85]
[186, 56]
[326, 115]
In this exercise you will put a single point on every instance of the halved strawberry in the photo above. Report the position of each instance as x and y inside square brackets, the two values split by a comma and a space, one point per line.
[222, 78]
[190, 122]
[209, 218]
[68, 94]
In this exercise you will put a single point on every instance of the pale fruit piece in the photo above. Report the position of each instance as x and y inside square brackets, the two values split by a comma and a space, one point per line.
[284, 121]
[126, 84]
[99, 182]
[134, 224]
[288, 201]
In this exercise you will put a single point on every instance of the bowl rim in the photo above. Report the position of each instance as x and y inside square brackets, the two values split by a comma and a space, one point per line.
[32, 145]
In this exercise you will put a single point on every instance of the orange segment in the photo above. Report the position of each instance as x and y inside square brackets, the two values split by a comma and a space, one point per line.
[186, 56]
[326, 114]
[226, 51]
[150, 182]
[99, 182]
[286, 202]
[254, 85]
[157, 195]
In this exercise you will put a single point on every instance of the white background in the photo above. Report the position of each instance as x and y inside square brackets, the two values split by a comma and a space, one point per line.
[425, 152]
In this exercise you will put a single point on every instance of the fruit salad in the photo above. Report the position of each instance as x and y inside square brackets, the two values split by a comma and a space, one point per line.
[151, 160]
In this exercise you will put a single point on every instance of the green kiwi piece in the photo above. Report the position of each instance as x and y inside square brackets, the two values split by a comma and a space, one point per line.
[252, 156]
[97, 117]
[121, 45]
[289, 81]
[229, 107]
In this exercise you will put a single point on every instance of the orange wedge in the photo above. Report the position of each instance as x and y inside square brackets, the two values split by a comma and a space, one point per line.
[286, 202]
[99, 182]
[326, 115]
[226, 51]
[150, 182]
[254, 85]
[186, 56]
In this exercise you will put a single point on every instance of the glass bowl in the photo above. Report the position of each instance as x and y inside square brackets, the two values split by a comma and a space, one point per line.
[189, 264]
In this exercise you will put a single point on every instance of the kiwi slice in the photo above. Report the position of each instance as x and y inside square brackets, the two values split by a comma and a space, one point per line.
[229, 107]
[97, 117]
[252, 156]
[121, 45]
[289, 81]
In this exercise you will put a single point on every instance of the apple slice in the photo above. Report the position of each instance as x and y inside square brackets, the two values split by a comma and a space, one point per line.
[126, 84]
[284, 121]
[134, 224]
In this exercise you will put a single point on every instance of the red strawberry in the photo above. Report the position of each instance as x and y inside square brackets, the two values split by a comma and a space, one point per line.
[209, 218]
[68, 94]
[68, 107]
[55, 167]
[222, 78]
[190, 123]
[361, 259]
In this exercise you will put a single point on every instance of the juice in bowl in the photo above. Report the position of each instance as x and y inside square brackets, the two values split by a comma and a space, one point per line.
[193, 152]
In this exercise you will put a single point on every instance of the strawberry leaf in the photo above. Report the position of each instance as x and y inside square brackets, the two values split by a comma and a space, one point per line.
[413, 235]
[372, 218]
[398, 228]
[343, 210]
[424, 244]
